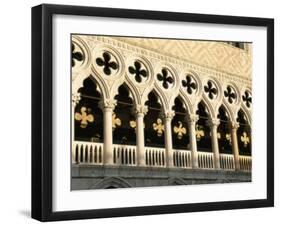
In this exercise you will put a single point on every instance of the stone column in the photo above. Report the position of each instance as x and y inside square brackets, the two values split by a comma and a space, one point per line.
[75, 100]
[235, 150]
[192, 119]
[213, 124]
[140, 111]
[107, 106]
[168, 116]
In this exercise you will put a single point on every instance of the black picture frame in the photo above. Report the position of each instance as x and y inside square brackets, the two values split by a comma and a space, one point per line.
[42, 111]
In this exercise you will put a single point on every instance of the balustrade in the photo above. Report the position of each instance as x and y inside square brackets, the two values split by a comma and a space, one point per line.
[245, 163]
[87, 152]
[182, 158]
[124, 155]
[155, 157]
[205, 160]
[227, 162]
[93, 153]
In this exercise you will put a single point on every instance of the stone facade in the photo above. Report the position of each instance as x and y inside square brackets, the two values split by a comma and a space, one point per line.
[170, 67]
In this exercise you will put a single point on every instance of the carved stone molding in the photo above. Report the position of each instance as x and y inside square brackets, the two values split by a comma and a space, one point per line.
[192, 118]
[141, 109]
[168, 115]
[213, 122]
[107, 104]
[234, 125]
[76, 97]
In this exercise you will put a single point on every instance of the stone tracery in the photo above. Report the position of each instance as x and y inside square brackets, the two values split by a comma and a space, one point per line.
[164, 77]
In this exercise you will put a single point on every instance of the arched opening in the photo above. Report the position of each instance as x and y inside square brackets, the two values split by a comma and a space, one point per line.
[110, 187]
[112, 183]
[123, 119]
[153, 122]
[88, 116]
[244, 134]
[203, 136]
[224, 133]
[179, 126]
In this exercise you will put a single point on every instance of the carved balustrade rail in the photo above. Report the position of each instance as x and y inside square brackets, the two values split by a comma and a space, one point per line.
[92, 153]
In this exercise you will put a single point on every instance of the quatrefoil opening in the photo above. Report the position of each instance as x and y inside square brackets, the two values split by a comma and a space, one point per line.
[107, 63]
[211, 90]
[137, 71]
[230, 94]
[76, 55]
[165, 78]
[189, 84]
[247, 98]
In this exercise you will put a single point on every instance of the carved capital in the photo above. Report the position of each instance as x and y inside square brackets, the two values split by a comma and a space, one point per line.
[107, 104]
[213, 122]
[76, 97]
[234, 125]
[168, 115]
[192, 118]
[141, 109]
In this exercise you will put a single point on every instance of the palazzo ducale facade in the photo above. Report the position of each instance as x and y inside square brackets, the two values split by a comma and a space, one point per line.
[151, 112]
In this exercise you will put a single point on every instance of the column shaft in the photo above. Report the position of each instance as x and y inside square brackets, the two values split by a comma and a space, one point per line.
[108, 137]
[235, 149]
[168, 116]
[75, 100]
[168, 143]
[140, 140]
[215, 146]
[107, 106]
[192, 119]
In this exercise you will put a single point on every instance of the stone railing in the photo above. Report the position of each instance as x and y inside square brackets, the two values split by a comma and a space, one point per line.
[124, 155]
[227, 162]
[87, 152]
[182, 158]
[92, 153]
[206, 160]
[155, 157]
[245, 163]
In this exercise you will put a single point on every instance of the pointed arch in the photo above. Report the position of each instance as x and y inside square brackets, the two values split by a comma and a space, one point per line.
[227, 110]
[176, 181]
[223, 130]
[246, 112]
[208, 106]
[132, 90]
[202, 129]
[160, 95]
[244, 134]
[111, 182]
[101, 84]
[186, 101]
[180, 135]
[153, 121]
[123, 117]
[91, 127]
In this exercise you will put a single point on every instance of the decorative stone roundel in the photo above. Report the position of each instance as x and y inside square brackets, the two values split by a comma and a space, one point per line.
[76, 55]
[138, 71]
[165, 78]
[247, 98]
[211, 90]
[230, 94]
[190, 84]
[107, 63]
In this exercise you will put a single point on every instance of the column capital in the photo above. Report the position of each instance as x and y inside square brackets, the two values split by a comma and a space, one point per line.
[192, 118]
[213, 122]
[168, 114]
[107, 104]
[234, 125]
[76, 97]
[141, 109]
